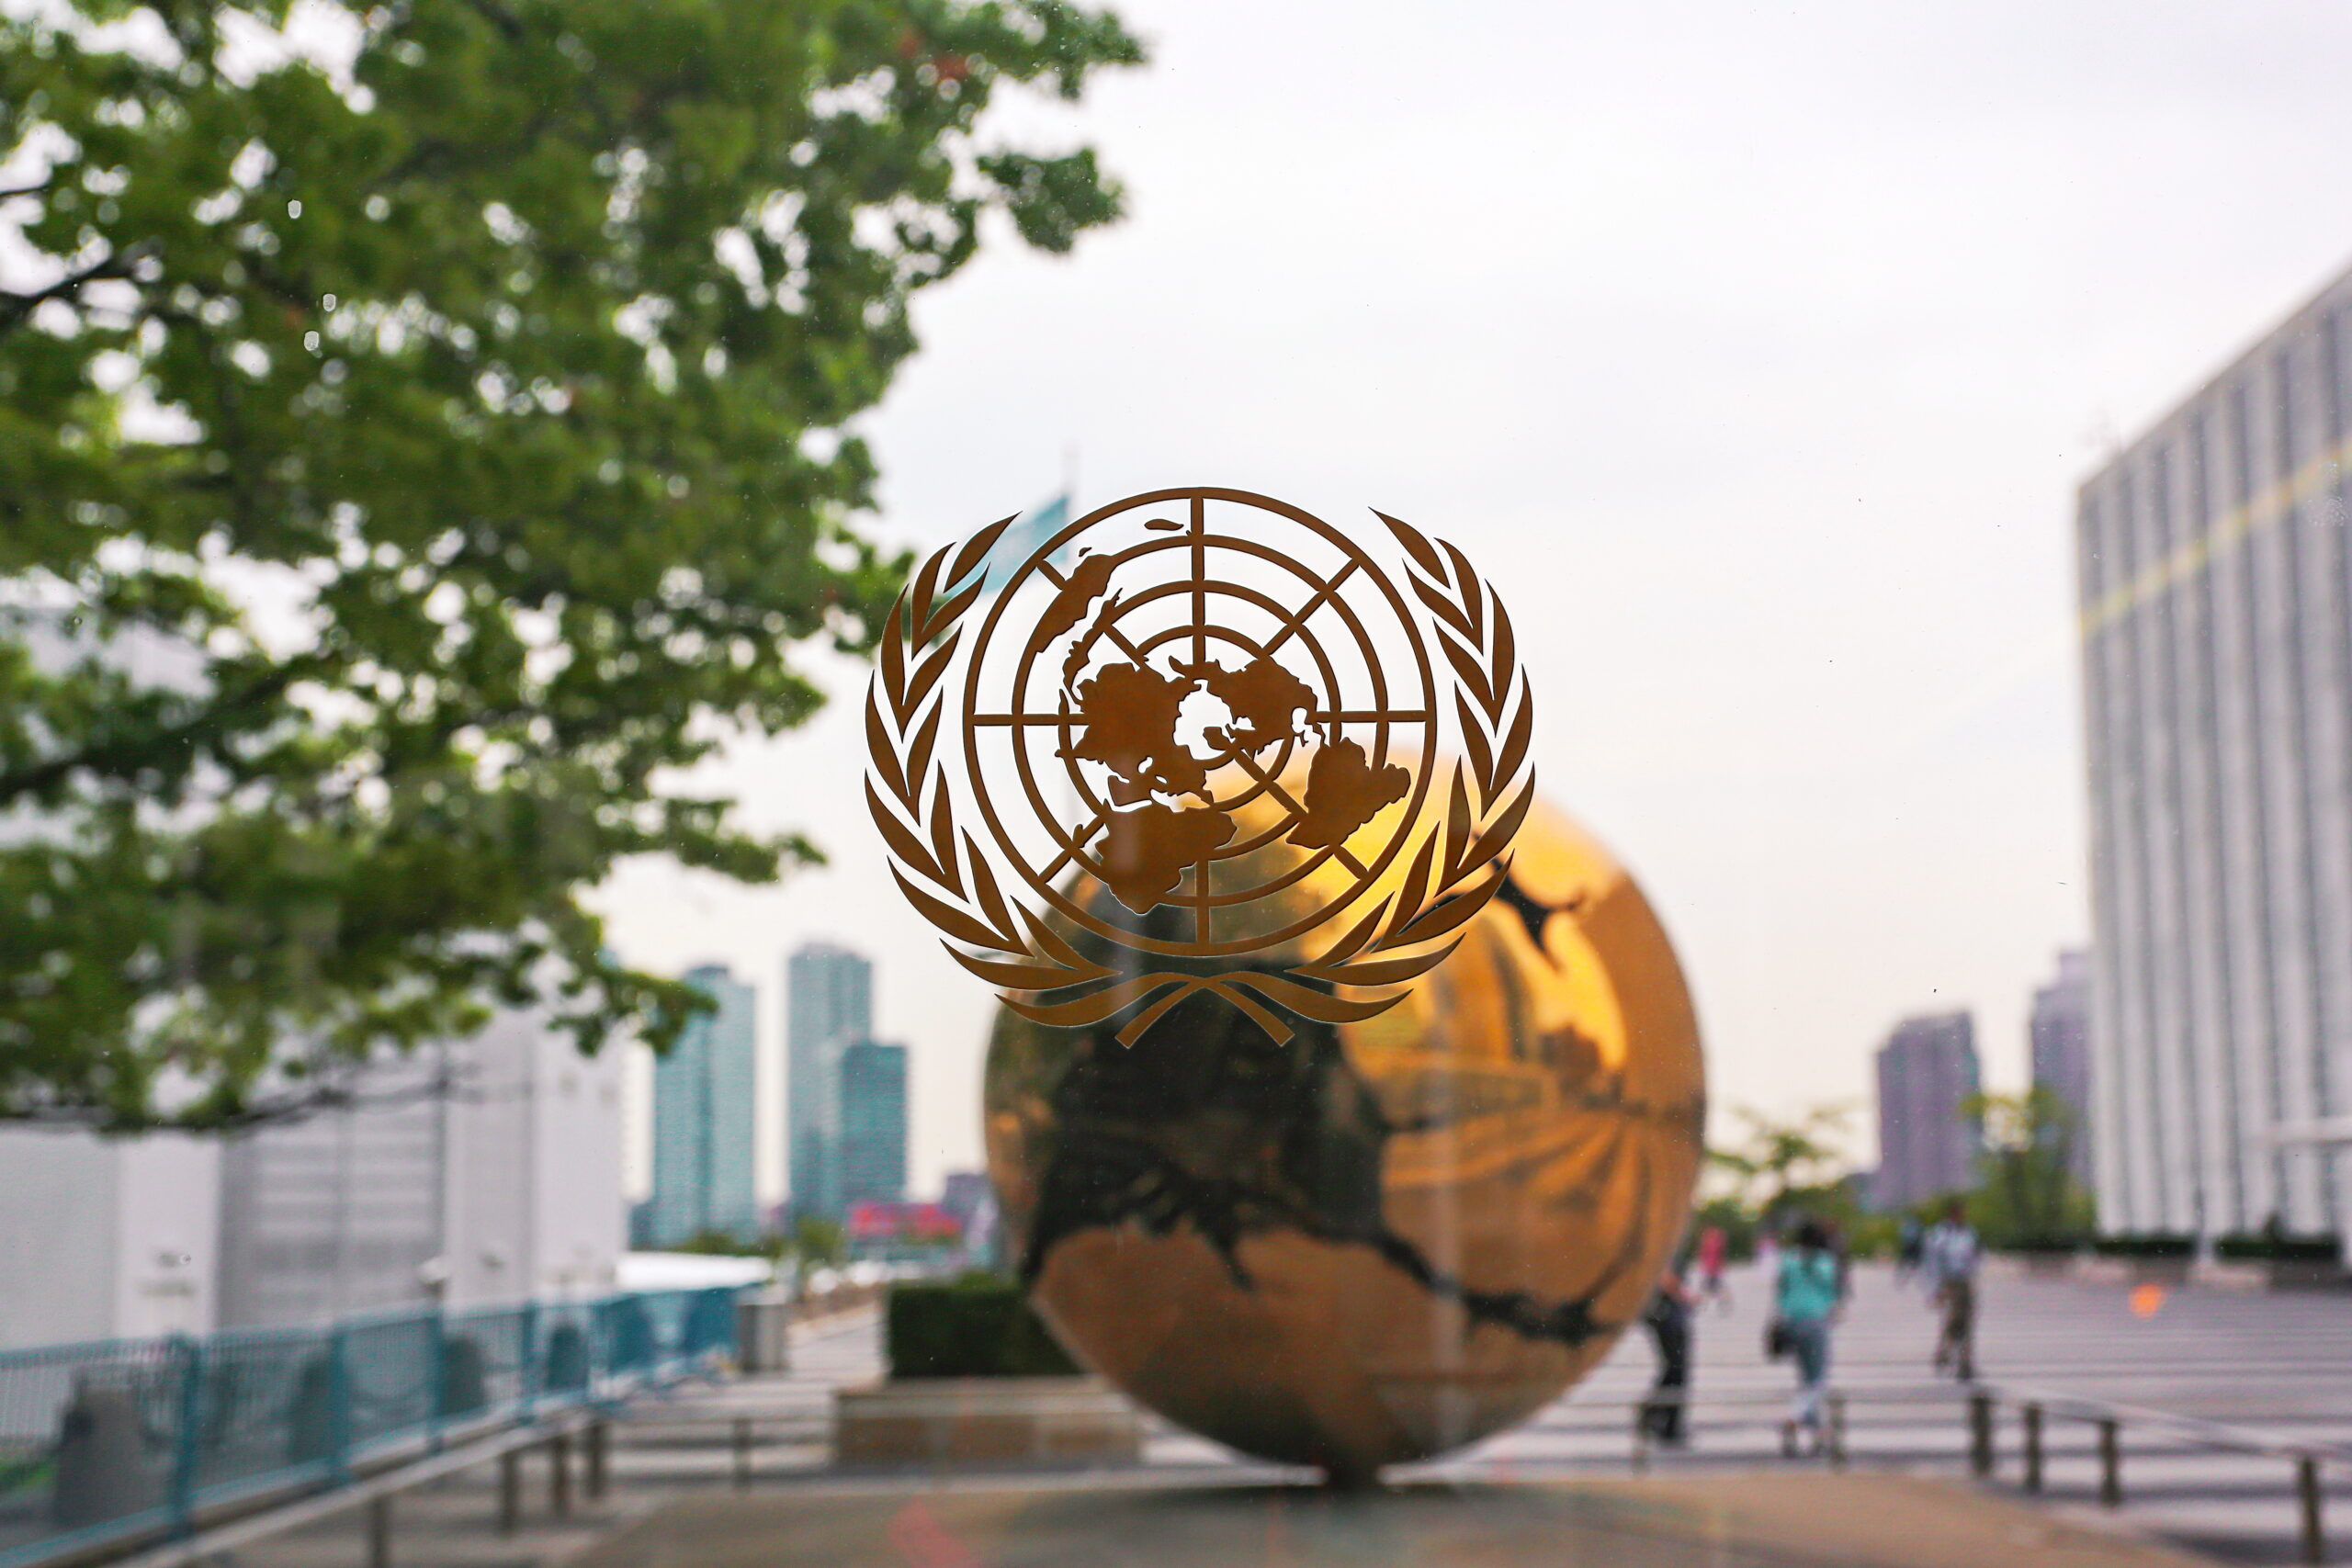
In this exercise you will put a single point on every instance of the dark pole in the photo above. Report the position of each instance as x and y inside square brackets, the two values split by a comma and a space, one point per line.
[2315, 1530]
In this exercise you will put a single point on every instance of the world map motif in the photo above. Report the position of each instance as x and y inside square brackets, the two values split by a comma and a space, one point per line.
[1132, 719]
[1181, 663]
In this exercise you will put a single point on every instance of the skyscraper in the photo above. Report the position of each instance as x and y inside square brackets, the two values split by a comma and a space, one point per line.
[702, 1105]
[873, 1124]
[1927, 1142]
[828, 1007]
[2060, 1031]
[2215, 569]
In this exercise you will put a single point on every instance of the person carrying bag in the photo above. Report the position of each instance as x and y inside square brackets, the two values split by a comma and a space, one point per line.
[1806, 1298]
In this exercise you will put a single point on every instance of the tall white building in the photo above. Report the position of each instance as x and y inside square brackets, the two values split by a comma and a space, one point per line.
[828, 1007]
[2215, 574]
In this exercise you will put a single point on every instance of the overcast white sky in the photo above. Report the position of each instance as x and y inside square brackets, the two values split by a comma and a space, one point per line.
[1756, 351]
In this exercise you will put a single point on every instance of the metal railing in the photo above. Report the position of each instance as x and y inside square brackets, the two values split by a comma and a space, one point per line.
[2037, 1410]
[109, 1443]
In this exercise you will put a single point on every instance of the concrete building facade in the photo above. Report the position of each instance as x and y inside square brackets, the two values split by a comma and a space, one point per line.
[828, 1007]
[1928, 1141]
[106, 1238]
[2215, 571]
[704, 1104]
[477, 1173]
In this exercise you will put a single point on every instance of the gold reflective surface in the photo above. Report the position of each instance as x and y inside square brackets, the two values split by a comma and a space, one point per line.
[1379, 1240]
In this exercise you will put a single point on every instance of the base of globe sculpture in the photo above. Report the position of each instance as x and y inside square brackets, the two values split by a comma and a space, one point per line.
[1374, 1242]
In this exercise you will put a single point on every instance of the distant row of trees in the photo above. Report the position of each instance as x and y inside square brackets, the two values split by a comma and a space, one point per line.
[1780, 1168]
[812, 1242]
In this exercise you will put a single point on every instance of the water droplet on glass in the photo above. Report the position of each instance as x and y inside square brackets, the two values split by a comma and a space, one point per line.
[310, 342]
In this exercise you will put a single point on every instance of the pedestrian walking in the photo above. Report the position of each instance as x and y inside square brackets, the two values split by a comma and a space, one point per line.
[1909, 1246]
[1714, 1252]
[1949, 1257]
[1767, 1249]
[1666, 1414]
[1805, 1306]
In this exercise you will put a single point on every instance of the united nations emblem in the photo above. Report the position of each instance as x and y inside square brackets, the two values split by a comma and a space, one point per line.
[1204, 747]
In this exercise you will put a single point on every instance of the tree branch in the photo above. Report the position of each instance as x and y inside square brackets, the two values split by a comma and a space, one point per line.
[17, 309]
[123, 754]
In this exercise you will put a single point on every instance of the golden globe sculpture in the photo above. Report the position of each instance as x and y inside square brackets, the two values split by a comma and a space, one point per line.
[1381, 1239]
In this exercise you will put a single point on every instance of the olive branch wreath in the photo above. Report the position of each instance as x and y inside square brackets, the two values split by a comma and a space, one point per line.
[1461, 862]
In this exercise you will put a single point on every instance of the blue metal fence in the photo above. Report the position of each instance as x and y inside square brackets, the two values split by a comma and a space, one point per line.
[110, 1441]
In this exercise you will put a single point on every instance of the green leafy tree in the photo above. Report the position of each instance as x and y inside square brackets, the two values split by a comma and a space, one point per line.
[1778, 1160]
[818, 1242]
[726, 1244]
[2026, 1191]
[425, 434]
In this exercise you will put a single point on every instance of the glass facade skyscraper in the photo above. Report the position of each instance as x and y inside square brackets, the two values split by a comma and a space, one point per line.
[828, 1007]
[702, 1105]
[874, 1122]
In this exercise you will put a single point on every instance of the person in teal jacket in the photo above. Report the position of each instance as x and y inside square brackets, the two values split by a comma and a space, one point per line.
[1806, 1302]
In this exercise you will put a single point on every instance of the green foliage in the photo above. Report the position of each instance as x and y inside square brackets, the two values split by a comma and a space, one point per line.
[980, 1325]
[1732, 1217]
[820, 1242]
[463, 425]
[2153, 1244]
[2262, 1246]
[726, 1244]
[2025, 1192]
[1779, 1164]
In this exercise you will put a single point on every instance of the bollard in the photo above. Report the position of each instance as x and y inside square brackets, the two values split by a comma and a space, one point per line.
[2033, 1447]
[379, 1531]
[742, 1450]
[2307, 1489]
[1980, 1433]
[1836, 1431]
[560, 1472]
[2111, 1462]
[510, 1491]
[599, 1434]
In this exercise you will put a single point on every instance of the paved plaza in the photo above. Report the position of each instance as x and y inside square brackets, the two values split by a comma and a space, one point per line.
[2281, 1364]
[1802, 1521]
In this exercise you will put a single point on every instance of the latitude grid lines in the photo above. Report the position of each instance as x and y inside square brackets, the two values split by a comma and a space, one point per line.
[1331, 719]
